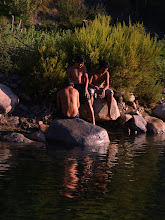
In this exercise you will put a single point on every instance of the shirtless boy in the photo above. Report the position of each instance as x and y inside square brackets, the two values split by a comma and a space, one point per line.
[99, 84]
[78, 74]
[68, 102]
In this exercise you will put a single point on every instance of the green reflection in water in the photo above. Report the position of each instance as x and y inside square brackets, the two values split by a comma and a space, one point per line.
[127, 182]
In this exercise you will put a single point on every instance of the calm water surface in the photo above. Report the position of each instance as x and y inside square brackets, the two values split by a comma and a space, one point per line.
[124, 180]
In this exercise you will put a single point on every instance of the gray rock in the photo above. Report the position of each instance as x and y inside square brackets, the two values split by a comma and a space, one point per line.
[159, 111]
[101, 110]
[155, 125]
[38, 136]
[123, 119]
[137, 124]
[17, 138]
[76, 132]
[8, 100]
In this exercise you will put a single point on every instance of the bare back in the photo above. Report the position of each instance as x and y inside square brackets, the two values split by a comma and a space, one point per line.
[68, 101]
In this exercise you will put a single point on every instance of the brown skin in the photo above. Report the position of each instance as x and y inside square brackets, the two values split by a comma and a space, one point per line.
[100, 78]
[75, 73]
[68, 101]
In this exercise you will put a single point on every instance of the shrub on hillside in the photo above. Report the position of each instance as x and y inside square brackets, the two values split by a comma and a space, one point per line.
[5, 54]
[23, 9]
[130, 51]
[50, 72]
[160, 62]
[73, 12]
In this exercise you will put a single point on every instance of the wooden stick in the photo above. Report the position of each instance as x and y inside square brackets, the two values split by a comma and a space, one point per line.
[12, 23]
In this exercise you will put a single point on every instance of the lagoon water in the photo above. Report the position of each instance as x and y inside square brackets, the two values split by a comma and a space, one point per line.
[124, 180]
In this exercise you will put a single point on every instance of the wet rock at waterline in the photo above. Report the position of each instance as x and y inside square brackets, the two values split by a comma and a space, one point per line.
[137, 124]
[38, 136]
[155, 125]
[76, 132]
[17, 138]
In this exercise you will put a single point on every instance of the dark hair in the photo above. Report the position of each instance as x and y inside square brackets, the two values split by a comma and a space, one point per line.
[69, 82]
[79, 59]
[104, 64]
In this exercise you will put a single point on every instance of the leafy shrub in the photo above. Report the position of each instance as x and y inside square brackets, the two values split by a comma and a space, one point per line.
[148, 92]
[5, 58]
[73, 12]
[49, 74]
[23, 9]
[160, 62]
[132, 53]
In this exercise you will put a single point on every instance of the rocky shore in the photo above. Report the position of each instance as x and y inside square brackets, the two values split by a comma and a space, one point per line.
[23, 122]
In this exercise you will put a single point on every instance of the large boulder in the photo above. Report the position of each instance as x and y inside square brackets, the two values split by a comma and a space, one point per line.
[8, 100]
[76, 132]
[137, 124]
[155, 125]
[101, 110]
[159, 111]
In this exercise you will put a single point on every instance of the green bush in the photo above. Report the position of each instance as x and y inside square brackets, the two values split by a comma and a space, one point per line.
[50, 72]
[160, 61]
[5, 58]
[148, 92]
[130, 51]
[43, 57]
[73, 12]
[23, 9]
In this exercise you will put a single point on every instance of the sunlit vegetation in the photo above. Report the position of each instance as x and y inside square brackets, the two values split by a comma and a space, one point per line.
[136, 59]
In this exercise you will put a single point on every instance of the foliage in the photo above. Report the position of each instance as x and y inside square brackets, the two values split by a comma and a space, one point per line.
[51, 70]
[149, 91]
[130, 51]
[43, 57]
[5, 58]
[160, 62]
[73, 12]
[20, 8]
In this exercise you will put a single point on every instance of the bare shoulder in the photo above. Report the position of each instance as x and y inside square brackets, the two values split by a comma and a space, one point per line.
[72, 90]
[75, 91]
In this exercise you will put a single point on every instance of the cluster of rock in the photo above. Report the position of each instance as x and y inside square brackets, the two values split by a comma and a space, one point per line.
[130, 116]
[18, 114]
[135, 119]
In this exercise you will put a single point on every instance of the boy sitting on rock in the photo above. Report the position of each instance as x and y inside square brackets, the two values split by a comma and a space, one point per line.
[99, 85]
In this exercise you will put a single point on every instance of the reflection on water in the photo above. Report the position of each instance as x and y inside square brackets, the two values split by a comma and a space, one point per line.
[4, 158]
[123, 180]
